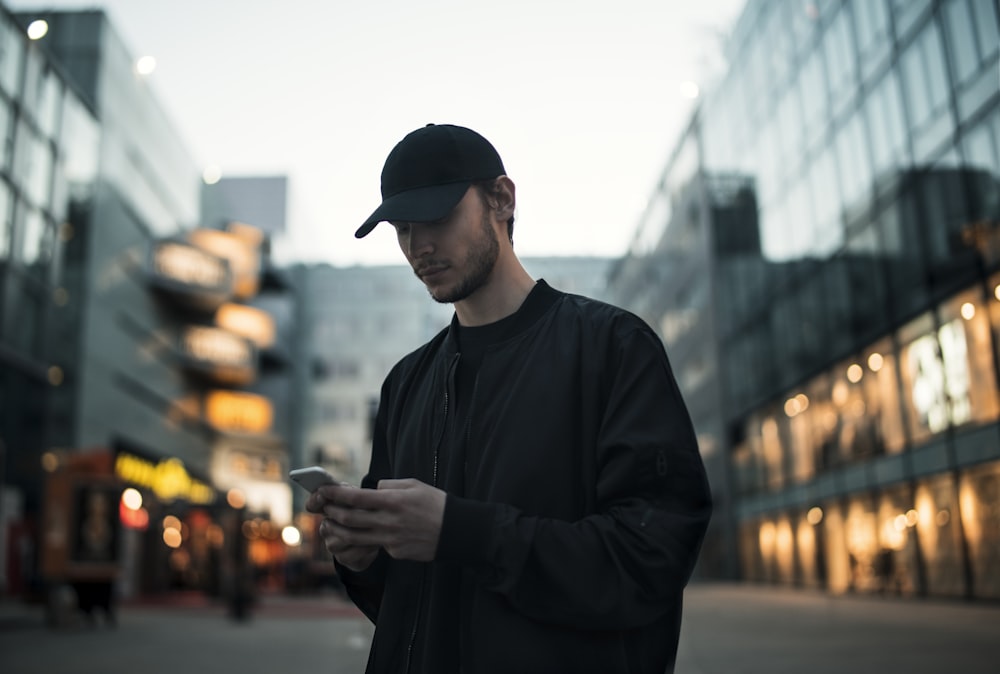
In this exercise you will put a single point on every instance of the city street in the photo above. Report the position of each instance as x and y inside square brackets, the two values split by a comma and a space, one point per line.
[727, 630]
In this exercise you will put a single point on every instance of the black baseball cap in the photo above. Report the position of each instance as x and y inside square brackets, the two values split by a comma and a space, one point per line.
[428, 173]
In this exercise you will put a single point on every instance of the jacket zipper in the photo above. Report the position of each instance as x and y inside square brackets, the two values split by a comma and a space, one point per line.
[434, 479]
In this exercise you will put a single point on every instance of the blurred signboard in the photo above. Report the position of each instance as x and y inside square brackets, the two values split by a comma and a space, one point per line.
[190, 275]
[218, 354]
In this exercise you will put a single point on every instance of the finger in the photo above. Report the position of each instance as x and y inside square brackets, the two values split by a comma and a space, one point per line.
[357, 518]
[366, 499]
[405, 483]
[338, 538]
[315, 502]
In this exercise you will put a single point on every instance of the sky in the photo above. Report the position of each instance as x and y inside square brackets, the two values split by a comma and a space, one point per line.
[584, 100]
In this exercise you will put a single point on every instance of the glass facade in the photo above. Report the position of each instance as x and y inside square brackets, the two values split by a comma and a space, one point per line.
[857, 346]
[47, 172]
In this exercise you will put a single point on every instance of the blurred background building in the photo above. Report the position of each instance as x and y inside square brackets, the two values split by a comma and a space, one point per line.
[821, 259]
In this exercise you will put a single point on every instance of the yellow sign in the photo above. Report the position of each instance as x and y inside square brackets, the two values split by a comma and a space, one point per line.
[167, 479]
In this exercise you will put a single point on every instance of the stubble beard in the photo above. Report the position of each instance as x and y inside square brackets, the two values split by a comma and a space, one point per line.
[480, 262]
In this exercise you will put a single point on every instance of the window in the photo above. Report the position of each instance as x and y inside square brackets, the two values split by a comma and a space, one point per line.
[938, 532]
[855, 173]
[961, 41]
[903, 250]
[871, 20]
[11, 57]
[814, 94]
[840, 58]
[967, 351]
[881, 384]
[895, 568]
[925, 80]
[888, 126]
[984, 17]
[5, 220]
[979, 500]
[827, 232]
[923, 376]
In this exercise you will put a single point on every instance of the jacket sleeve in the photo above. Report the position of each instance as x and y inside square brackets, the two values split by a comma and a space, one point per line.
[365, 587]
[626, 564]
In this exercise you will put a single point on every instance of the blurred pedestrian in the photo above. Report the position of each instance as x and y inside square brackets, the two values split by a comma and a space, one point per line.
[535, 500]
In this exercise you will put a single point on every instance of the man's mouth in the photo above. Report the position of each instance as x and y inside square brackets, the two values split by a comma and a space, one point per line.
[430, 270]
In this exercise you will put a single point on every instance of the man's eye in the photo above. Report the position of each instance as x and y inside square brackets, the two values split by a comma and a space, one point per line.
[401, 227]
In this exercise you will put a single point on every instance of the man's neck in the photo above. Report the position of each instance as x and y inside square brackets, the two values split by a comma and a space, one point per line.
[502, 295]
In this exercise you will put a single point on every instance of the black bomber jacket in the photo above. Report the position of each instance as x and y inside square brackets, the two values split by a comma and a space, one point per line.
[585, 501]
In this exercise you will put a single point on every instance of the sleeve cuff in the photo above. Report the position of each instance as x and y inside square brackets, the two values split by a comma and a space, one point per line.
[467, 532]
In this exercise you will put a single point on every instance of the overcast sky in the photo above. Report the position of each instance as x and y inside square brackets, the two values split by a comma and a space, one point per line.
[583, 100]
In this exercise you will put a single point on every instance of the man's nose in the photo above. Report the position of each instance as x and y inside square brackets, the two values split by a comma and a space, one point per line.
[420, 242]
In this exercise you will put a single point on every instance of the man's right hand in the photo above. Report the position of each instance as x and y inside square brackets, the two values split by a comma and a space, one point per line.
[336, 536]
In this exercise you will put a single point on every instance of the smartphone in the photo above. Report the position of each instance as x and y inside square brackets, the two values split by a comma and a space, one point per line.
[312, 478]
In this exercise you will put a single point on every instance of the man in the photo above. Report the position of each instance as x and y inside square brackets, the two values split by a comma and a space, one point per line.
[535, 501]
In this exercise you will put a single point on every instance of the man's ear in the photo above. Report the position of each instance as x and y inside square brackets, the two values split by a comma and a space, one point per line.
[504, 194]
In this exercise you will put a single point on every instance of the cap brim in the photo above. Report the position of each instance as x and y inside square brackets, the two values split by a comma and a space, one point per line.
[424, 204]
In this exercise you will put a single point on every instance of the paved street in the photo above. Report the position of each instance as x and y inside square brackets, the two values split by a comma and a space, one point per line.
[727, 630]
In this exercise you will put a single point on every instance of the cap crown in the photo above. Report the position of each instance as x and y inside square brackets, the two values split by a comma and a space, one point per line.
[439, 154]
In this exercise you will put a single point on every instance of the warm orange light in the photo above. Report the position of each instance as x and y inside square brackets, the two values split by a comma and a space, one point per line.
[172, 537]
[815, 515]
[875, 362]
[238, 411]
[244, 259]
[968, 311]
[255, 324]
[236, 498]
[854, 373]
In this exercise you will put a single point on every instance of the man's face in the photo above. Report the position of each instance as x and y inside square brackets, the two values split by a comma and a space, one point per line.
[455, 256]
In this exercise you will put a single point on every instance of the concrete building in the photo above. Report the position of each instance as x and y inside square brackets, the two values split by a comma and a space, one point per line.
[822, 258]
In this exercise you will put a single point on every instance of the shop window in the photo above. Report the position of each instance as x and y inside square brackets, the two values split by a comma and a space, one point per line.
[772, 444]
[938, 532]
[856, 428]
[806, 413]
[750, 554]
[808, 548]
[967, 354]
[993, 303]
[840, 566]
[861, 540]
[784, 551]
[924, 387]
[979, 500]
[881, 384]
[896, 566]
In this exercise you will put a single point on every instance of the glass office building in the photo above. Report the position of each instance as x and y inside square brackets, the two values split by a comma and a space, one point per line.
[822, 258]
